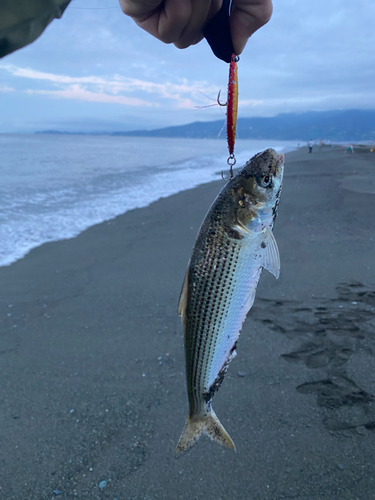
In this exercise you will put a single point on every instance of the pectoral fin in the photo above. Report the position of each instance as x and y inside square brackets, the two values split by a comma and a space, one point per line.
[271, 256]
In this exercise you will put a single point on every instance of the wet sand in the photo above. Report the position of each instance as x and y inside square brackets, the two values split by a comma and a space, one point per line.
[93, 396]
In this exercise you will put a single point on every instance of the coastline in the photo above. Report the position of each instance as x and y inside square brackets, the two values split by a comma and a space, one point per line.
[83, 181]
[93, 363]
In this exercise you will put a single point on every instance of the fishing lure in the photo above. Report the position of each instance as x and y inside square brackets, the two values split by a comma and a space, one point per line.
[218, 34]
[232, 106]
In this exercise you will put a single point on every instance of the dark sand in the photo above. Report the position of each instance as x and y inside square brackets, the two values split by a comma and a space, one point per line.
[92, 363]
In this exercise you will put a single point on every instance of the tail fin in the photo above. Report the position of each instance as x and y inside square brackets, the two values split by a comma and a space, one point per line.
[208, 424]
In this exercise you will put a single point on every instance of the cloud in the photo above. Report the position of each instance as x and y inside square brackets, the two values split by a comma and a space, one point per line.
[99, 65]
[116, 89]
[79, 93]
[4, 88]
[250, 102]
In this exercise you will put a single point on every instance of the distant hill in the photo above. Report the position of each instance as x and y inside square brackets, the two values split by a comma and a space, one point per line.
[340, 125]
[349, 125]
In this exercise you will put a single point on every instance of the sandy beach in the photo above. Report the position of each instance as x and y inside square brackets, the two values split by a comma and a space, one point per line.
[93, 397]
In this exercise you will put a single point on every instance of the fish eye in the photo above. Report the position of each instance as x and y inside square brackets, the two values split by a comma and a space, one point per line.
[264, 181]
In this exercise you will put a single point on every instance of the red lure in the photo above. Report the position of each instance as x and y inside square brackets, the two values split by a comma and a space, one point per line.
[232, 104]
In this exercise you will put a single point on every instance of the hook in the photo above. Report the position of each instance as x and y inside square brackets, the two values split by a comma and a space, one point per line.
[218, 100]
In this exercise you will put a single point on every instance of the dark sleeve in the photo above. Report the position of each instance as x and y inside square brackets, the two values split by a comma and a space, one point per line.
[22, 21]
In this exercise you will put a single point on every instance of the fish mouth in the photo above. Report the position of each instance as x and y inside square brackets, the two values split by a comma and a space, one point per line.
[266, 163]
[281, 159]
[280, 165]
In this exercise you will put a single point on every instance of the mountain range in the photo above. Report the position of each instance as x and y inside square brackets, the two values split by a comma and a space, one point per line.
[338, 125]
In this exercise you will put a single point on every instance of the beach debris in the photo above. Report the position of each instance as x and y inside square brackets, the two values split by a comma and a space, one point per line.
[234, 243]
[103, 483]
[241, 374]
[56, 492]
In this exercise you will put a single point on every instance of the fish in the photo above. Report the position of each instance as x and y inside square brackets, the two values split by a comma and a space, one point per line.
[234, 243]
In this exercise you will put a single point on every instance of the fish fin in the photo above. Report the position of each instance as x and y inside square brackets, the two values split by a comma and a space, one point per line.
[205, 423]
[250, 300]
[182, 303]
[271, 255]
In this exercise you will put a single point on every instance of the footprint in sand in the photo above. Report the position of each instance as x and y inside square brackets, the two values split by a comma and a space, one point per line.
[338, 336]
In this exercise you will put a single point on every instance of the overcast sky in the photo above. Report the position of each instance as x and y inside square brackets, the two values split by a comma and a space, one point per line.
[95, 70]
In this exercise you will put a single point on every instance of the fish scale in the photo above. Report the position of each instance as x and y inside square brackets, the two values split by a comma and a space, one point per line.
[234, 243]
[217, 305]
[202, 311]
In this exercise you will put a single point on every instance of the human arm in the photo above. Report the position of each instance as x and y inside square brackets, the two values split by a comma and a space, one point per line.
[23, 21]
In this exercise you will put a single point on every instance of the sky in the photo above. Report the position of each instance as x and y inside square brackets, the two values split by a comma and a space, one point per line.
[95, 70]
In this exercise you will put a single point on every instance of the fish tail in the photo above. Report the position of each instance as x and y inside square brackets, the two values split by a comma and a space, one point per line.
[205, 423]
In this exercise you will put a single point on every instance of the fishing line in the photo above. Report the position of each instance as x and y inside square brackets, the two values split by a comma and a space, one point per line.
[92, 8]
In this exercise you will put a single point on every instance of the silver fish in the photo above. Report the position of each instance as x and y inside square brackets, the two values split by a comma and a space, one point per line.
[234, 243]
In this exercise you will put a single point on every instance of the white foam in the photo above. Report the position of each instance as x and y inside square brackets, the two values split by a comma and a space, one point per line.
[57, 220]
[31, 217]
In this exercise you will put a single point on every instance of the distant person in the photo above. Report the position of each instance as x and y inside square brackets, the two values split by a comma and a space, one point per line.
[321, 144]
[311, 144]
[179, 22]
[351, 149]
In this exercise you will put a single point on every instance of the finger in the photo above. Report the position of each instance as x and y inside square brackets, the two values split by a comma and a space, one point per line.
[202, 10]
[164, 20]
[247, 17]
[173, 19]
[139, 9]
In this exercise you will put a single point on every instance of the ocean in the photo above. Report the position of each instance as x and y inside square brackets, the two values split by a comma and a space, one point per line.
[54, 187]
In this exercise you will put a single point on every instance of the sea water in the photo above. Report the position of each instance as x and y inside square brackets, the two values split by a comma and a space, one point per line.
[55, 186]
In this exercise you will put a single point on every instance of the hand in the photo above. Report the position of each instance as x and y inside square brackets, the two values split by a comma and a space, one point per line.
[248, 16]
[180, 21]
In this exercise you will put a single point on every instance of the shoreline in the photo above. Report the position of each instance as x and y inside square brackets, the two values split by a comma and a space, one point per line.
[93, 364]
[64, 214]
